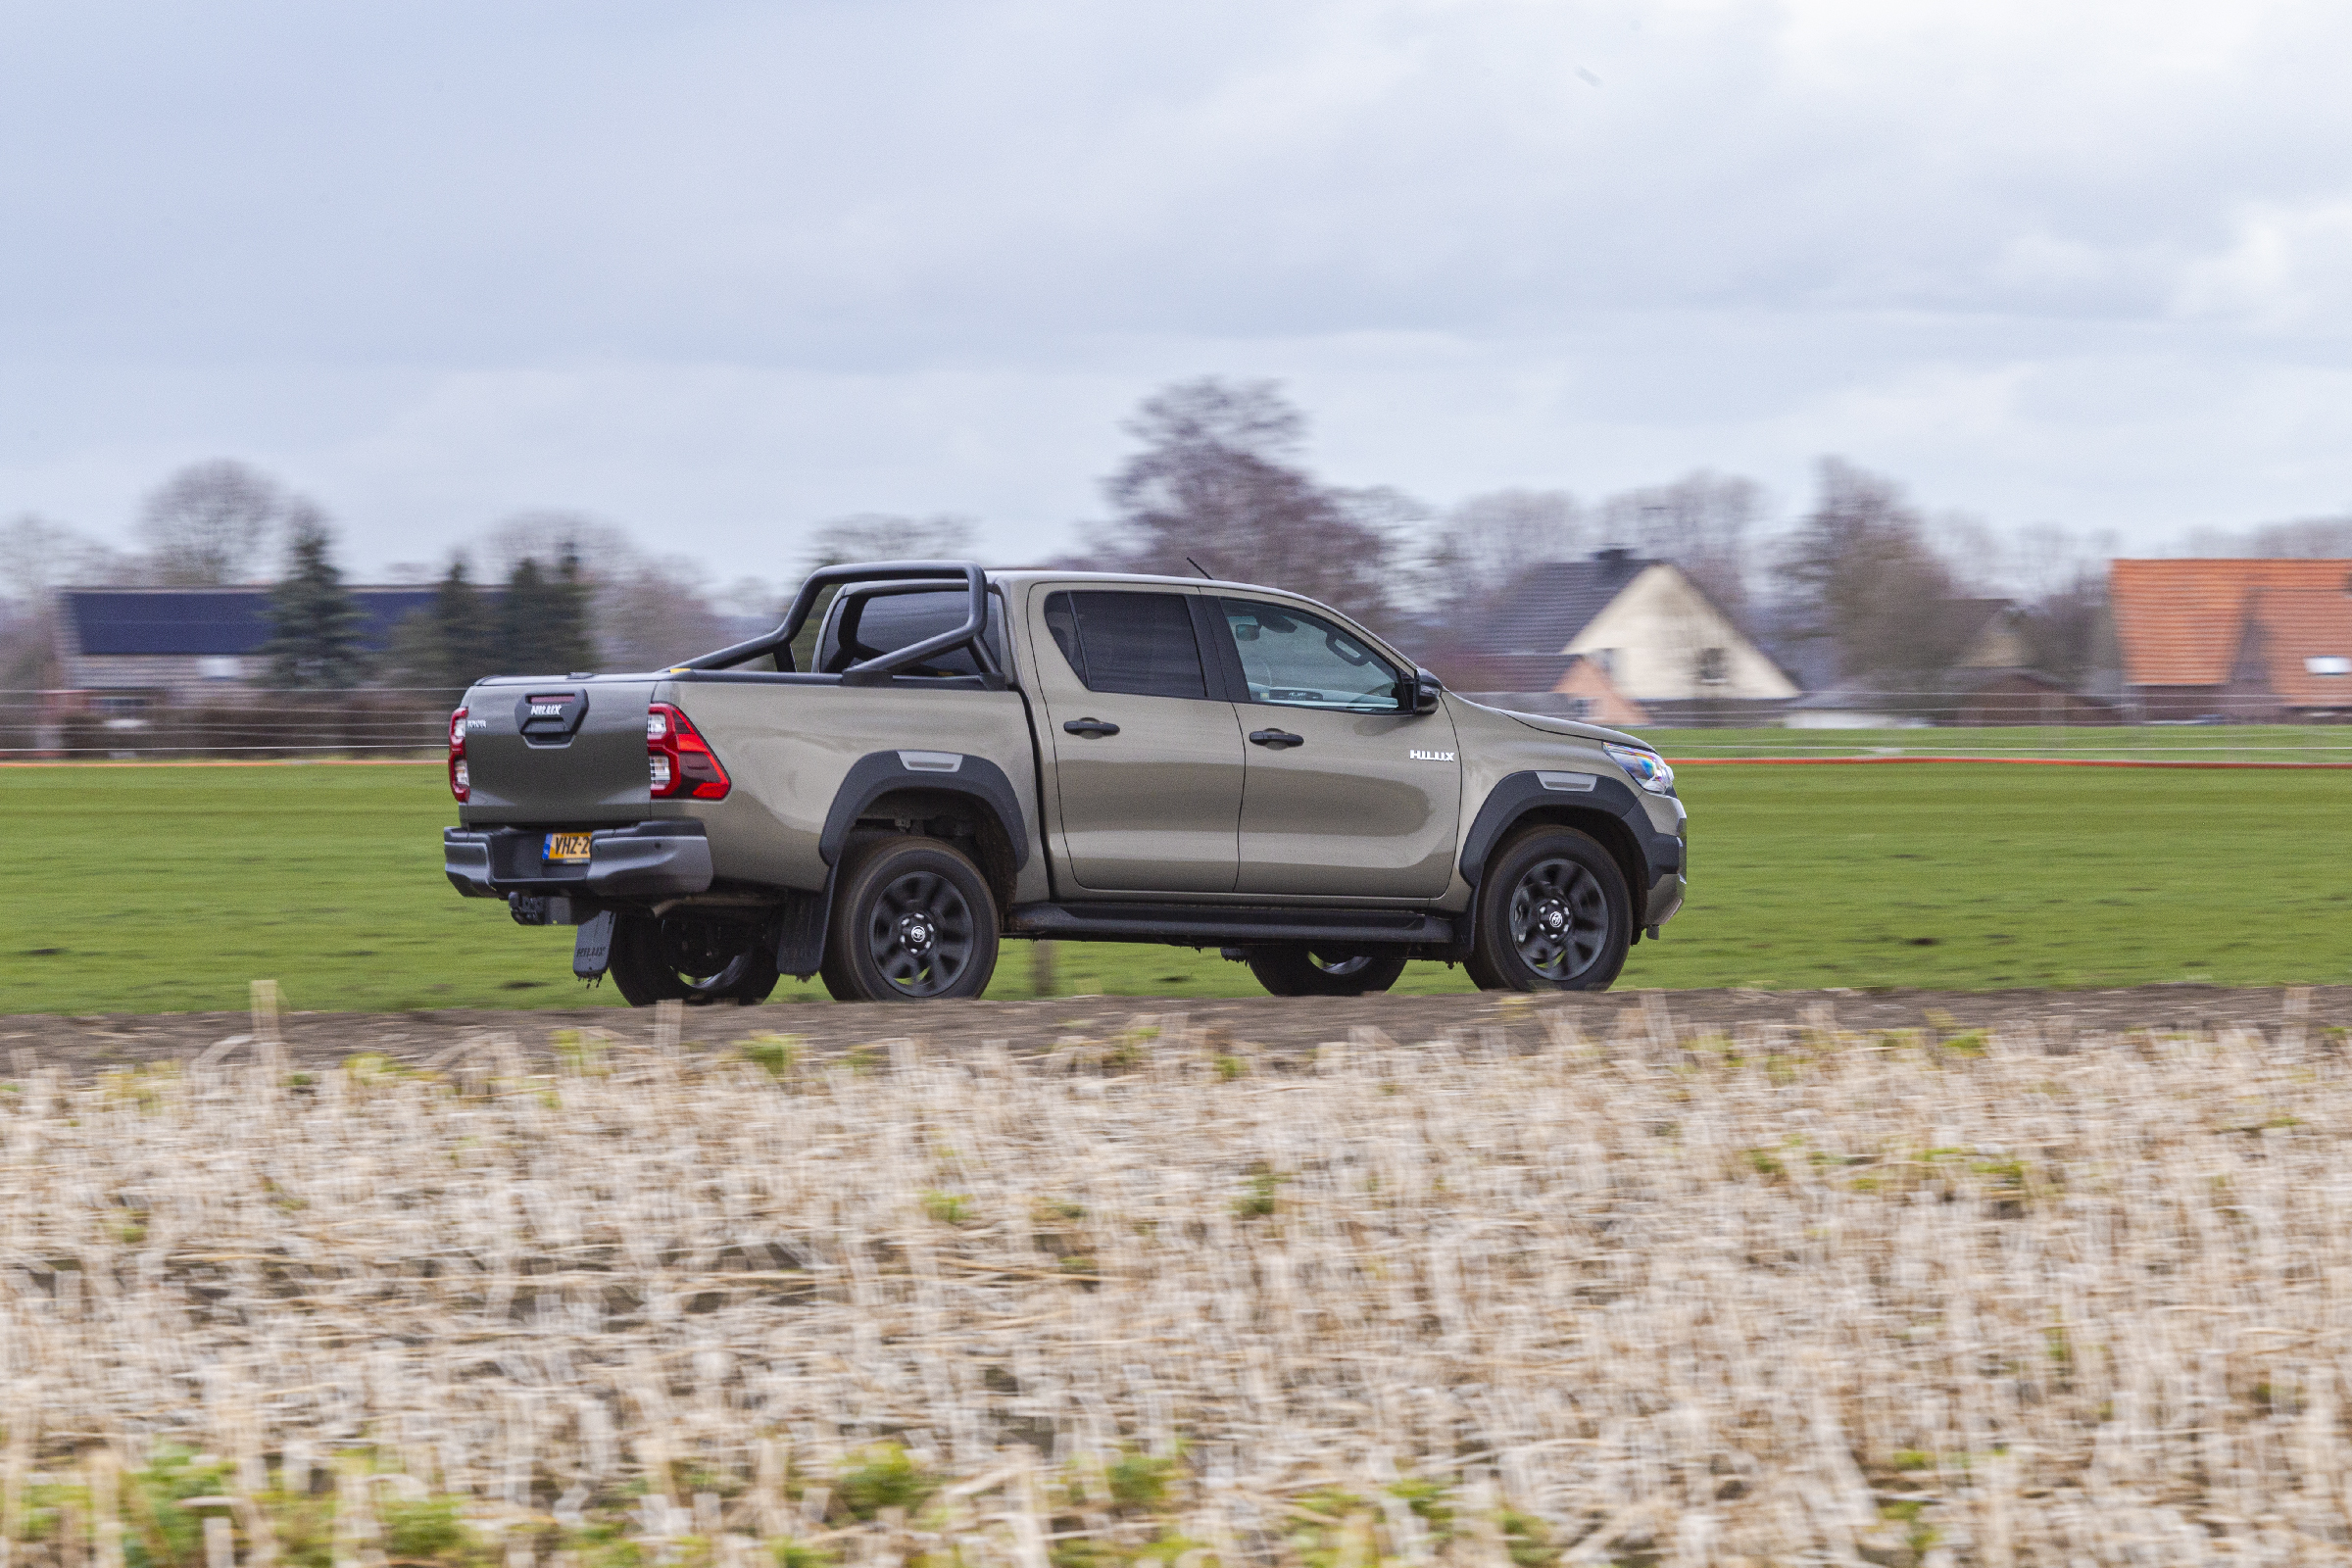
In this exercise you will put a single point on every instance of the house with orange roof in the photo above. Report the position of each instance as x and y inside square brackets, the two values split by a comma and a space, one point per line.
[2245, 641]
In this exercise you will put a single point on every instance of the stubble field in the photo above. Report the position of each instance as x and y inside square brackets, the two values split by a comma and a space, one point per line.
[1642, 1294]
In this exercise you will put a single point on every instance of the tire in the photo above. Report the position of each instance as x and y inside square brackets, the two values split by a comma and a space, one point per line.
[1301, 971]
[697, 961]
[1553, 914]
[914, 921]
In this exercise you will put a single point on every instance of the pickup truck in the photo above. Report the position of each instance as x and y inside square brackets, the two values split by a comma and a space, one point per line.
[954, 756]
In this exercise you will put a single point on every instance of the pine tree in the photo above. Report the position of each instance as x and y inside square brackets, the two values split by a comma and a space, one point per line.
[314, 622]
[544, 620]
[464, 631]
[569, 637]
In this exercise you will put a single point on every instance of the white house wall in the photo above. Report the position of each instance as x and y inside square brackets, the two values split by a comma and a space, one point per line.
[1651, 634]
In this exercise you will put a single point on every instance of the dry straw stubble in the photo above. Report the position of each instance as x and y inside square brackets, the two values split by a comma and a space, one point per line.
[1658, 1298]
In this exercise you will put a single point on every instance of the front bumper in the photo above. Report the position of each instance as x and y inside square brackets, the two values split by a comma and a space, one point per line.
[646, 859]
[1665, 900]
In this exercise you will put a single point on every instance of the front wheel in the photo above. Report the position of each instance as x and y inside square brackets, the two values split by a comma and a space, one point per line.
[1553, 914]
[697, 961]
[914, 921]
[1301, 971]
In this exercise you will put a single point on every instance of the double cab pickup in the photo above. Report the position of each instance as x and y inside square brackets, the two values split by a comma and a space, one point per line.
[926, 759]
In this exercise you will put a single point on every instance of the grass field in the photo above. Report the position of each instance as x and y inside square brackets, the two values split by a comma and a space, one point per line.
[168, 889]
[2148, 743]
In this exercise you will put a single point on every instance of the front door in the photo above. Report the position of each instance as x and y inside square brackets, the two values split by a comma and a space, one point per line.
[1349, 792]
[1147, 763]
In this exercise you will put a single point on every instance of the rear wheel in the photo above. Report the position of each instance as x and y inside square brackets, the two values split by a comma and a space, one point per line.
[914, 921]
[1301, 971]
[1553, 914]
[684, 958]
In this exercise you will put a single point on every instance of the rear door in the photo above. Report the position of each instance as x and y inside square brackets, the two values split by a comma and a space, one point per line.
[1349, 792]
[1147, 762]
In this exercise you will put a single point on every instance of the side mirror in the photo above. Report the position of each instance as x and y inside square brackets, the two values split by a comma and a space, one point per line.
[1423, 689]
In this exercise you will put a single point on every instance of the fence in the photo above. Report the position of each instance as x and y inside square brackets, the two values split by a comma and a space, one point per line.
[411, 723]
[239, 725]
[2000, 722]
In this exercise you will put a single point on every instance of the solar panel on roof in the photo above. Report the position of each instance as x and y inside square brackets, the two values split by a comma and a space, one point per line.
[198, 623]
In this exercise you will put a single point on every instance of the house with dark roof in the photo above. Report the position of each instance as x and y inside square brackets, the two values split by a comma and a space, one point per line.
[1565, 685]
[177, 644]
[2251, 641]
[1657, 636]
[1985, 633]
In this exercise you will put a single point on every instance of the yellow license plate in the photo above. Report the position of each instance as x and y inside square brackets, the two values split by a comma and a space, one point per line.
[567, 847]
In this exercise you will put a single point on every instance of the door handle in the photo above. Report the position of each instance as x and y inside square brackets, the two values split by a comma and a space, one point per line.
[1276, 738]
[1091, 727]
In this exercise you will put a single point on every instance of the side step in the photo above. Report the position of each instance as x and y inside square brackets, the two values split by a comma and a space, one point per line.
[1203, 925]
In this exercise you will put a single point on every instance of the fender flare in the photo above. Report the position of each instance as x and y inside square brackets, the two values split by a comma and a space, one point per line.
[801, 930]
[1516, 795]
[877, 773]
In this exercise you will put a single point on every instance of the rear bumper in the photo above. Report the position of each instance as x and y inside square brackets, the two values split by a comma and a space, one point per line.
[646, 859]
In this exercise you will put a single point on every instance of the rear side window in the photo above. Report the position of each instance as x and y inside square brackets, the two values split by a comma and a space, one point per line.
[869, 626]
[1139, 643]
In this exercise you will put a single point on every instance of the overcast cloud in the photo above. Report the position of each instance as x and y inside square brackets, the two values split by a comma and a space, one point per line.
[719, 273]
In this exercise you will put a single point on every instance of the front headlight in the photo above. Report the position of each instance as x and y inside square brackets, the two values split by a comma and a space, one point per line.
[1647, 769]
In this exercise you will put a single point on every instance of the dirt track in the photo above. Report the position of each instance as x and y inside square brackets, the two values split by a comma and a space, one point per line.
[1276, 1025]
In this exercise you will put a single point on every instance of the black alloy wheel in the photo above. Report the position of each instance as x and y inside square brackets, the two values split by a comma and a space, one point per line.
[1553, 914]
[914, 921]
[1299, 970]
[697, 960]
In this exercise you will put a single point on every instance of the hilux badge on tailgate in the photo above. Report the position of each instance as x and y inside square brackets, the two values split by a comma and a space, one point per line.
[1431, 756]
[550, 718]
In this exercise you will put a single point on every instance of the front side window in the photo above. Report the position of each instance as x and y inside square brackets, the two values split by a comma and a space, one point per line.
[1303, 660]
[1138, 644]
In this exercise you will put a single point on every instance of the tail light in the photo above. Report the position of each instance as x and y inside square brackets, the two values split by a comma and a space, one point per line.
[678, 759]
[461, 782]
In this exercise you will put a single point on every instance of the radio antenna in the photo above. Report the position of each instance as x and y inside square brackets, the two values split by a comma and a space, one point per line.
[1197, 567]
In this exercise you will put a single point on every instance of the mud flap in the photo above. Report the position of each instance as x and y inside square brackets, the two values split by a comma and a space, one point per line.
[800, 932]
[591, 948]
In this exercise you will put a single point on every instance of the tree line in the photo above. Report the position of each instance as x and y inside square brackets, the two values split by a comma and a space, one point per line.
[1217, 481]
[1843, 592]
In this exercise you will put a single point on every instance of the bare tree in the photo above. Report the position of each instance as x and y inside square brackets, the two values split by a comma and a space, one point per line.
[37, 555]
[2307, 539]
[1862, 577]
[878, 536]
[35, 558]
[207, 523]
[654, 614]
[1489, 539]
[603, 550]
[1700, 522]
[1218, 481]
[749, 598]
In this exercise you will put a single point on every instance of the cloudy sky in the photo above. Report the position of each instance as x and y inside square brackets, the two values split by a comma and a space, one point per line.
[719, 273]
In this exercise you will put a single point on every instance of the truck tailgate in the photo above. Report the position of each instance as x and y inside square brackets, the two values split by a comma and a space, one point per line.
[557, 752]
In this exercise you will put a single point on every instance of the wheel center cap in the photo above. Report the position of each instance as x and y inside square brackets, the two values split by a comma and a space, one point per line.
[1555, 918]
[915, 932]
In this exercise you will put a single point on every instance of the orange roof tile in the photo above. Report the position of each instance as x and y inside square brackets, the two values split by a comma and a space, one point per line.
[2292, 627]
[2182, 622]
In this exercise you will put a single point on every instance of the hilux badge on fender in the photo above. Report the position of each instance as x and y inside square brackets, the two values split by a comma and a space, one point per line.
[1430, 756]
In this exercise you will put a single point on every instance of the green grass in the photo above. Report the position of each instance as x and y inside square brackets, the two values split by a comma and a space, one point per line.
[2150, 743]
[168, 889]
